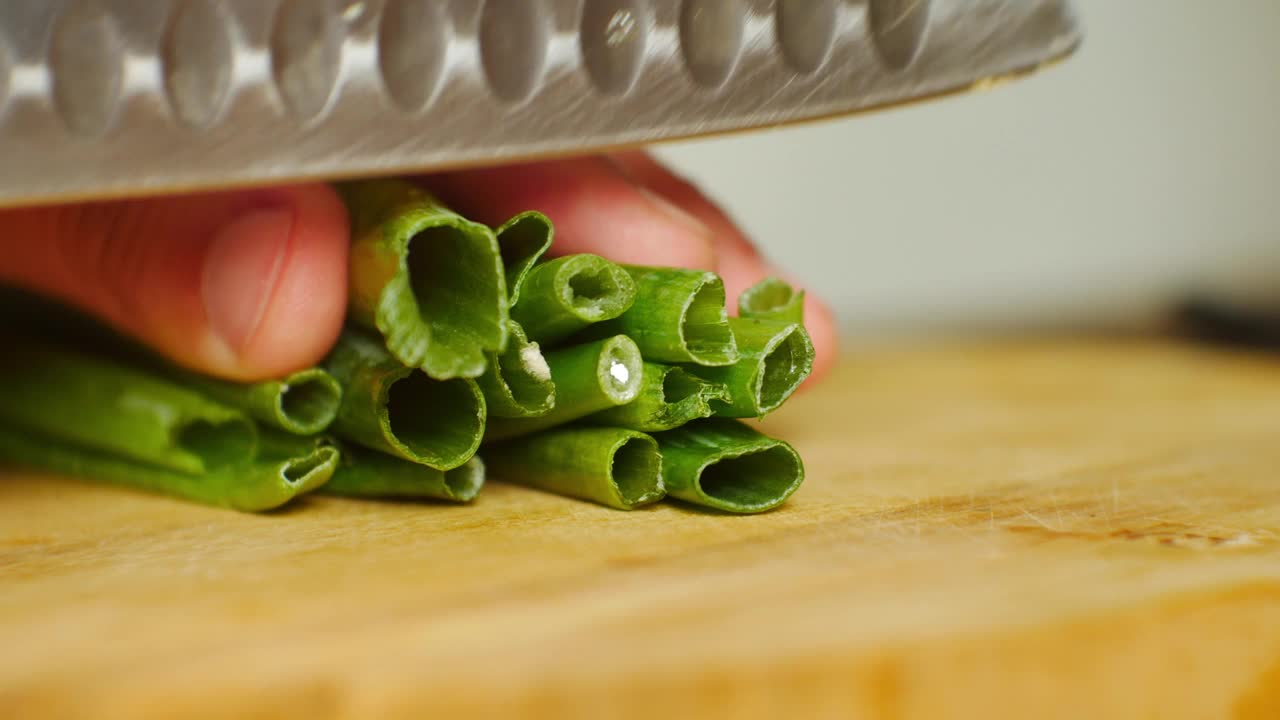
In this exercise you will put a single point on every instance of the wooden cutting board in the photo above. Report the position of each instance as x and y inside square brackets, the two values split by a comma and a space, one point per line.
[1056, 529]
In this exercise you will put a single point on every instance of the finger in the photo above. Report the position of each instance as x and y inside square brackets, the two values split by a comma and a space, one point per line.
[736, 258]
[594, 206]
[738, 261]
[245, 285]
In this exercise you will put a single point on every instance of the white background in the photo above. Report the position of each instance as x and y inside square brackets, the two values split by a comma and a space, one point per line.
[1094, 193]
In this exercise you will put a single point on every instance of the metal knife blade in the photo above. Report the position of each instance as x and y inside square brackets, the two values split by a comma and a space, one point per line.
[108, 98]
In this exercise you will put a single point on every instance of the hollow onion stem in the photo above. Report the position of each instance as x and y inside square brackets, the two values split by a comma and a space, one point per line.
[400, 410]
[678, 317]
[369, 473]
[430, 281]
[79, 399]
[774, 359]
[565, 295]
[518, 382]
[772, 299]
[256, 484]
[725, 465]
[588, 379]
[669, 397]
[611, 466]
[303, 403]
[522, 241]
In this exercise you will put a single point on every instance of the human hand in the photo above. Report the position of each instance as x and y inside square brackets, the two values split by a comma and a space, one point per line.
[252, 284]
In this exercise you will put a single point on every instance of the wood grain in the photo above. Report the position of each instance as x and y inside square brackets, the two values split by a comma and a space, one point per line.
[1052, 529]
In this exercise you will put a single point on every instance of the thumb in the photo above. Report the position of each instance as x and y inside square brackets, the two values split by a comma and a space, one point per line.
[242, 285]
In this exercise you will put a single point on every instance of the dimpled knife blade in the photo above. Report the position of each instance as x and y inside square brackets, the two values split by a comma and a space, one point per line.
[108, 98]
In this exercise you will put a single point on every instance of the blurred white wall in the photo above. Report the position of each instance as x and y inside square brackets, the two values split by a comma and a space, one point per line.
[1090, 194]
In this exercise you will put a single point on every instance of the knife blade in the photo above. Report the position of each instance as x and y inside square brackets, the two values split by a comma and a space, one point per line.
[111, 98]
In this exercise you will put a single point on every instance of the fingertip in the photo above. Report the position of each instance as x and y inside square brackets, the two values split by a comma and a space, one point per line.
[819, 319]
[670, 237]
[737, 259]
[820, 322]
[304, 313]
[595, 208]
[242, 285]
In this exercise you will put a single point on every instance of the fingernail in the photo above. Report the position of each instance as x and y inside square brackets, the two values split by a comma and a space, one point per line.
[240, 273]
[673, 212]
[680, 217]
[685, 226]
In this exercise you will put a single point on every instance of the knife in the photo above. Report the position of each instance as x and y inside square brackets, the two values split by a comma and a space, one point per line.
[111, 98]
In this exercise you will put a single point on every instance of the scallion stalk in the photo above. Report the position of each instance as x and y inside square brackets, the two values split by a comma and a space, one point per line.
[369, 473]
[522, 241]
[588, 378]
[430, 281]
[518, 382]
[725, 465]
[772, 299]
[774, 359]
[400, 410]
[282, 471]
[611, 466]
[302, 403]
[669, 397]
[678, 317]
[565, 295]
[82, 400]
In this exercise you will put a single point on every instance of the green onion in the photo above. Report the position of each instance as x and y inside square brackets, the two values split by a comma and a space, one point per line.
[588, 378]
[669, 397]
[611, 466]
[429, 280]
[518, 383]
[304, 403]
[565, 295]
[678, 317]
[522, 240]
[772, 299]
[775, 358]
[71, 412]
[369, 473]
[725, 465]
[399, 410]
[81, 400]
[302, 463]
[283, 471]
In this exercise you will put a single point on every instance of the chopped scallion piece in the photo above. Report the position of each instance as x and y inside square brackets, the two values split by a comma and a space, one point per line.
[669, 397]
[774, 359]
[284, 470]
[399, 410]
[610, 466]
[523, 240]
[83, 400]
[772, 299]
[518, 383]
[588, 378]
[370, 473]
[303, 403]
[678, 317]
[430, 281]
[565, 295]
[725, 465]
